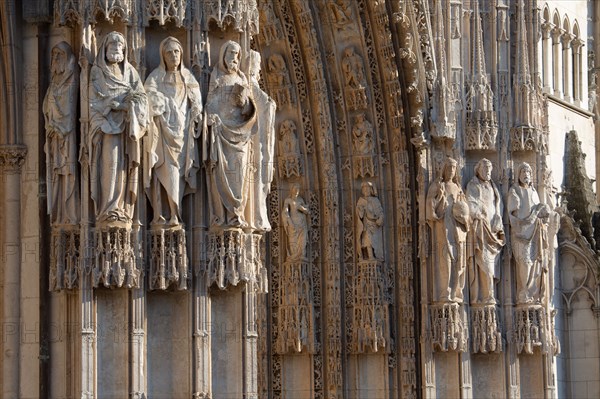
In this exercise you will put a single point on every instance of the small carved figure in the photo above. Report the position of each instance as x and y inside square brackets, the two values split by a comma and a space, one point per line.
[60, 115]
[352, 65]
[369, 224]
[171, 157]
[278, 72]
[529, 219]
[362, 136]
[118, 120]
[341, 13]
[448, 217]
[294, 214]
[288, 141]
[486, 237]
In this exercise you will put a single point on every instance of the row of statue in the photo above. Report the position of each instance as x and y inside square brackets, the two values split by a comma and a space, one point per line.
[158, 129]
[468, 235]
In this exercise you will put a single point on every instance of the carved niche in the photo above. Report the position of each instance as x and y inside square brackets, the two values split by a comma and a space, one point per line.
[363, 146]
[278, 79]
[290, 161]
[355, 79]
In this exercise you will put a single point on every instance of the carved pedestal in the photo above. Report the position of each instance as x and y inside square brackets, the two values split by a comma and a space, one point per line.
[64, 258]
[290, 165]
[168, 259]
[234, 256]
[370, 310]
[296, 312]
[117, 258]
[485, 329]
[447, 327]
[364, 166]
[357, 98]
[532, 328]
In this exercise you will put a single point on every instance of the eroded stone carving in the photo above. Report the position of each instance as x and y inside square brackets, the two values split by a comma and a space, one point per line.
[278, 79]
[341, 14]
[354, 75]
[529, 219]
[486, 235]
[290, 162]
[363, 146]
[60, 115]
[449, 219]
[118, 113]
[62, 177]
[294, 215]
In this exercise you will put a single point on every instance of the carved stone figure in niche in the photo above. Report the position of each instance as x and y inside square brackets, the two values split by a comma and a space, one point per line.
[362, 136]
[486, 235]
[171, 158]
[289, 150]
[341, 14]
[529, 219]
[369, 224]
[279, 79]
[230, 152]
[449, 219]
[263, 146]
[60, 115]
[354, 75]
[294, 215]
[118, 119]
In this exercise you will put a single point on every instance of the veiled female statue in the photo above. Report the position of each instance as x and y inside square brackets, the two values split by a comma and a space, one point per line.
[60, 115]
[295, 223]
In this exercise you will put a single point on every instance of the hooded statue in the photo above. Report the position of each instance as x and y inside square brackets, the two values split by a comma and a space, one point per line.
[60, 115]
[171, 157]
[118, 120]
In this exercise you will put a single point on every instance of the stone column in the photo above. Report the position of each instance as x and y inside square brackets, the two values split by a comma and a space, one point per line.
[567, 62]
[556, 62]
[577, 71]
[12, 158]
[546, 57]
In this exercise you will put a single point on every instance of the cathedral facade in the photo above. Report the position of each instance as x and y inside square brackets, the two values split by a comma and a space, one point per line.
[225, 199]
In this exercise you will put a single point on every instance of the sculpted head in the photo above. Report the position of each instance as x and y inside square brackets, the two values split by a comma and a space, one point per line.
[368, 189]
[115, 47]
[483, 169]
[449, 169]
[59, 59]
[254, 60]
[231, 56]
[171, 51]
[295, 190]
[524, 174]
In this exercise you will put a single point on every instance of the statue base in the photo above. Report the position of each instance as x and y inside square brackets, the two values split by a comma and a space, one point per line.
[448, 331]
[296, 312]
[168, 258]
[117, 257]
[531, 330]
[364, 166]
[370, 310]
[233, 255]
[485, 331]
[64, 257]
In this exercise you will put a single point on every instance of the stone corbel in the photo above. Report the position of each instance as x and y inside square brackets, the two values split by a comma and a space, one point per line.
[12, 157]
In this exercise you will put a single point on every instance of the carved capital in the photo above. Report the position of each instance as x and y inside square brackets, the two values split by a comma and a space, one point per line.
[577, 44]
[566, 39]
[556, 33]
[12, 157]
[547, 29]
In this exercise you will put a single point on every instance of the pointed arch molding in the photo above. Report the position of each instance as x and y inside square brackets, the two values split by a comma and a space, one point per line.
[331, 65]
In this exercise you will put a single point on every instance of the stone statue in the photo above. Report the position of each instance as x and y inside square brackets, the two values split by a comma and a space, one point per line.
[118, 120]
[362, 136]
[263, 146]
[294, 215]
[341, 13]
[352, 65]
[170, 154]
[529, 219]
[231, 152]
[60, 115]
[448, 217]
[486, 237]
[369, 224]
